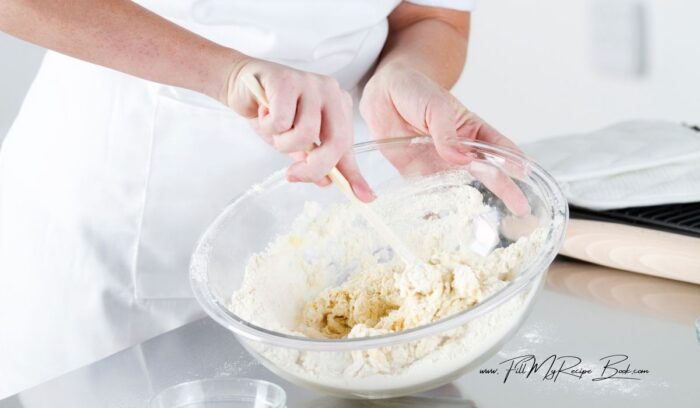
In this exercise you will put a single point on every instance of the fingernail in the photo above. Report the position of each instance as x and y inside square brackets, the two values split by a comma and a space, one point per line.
[364, 192]
[371, 193]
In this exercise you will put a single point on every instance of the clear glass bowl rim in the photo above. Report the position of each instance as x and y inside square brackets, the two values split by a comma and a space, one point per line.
[220, 313]
[280, 393]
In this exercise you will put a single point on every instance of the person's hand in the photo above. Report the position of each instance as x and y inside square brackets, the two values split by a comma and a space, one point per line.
[399, 101]
[309, 118]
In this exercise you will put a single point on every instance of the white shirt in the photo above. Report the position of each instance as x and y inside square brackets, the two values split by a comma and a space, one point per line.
[342, 38]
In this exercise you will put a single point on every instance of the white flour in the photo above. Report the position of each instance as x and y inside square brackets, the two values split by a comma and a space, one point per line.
[332, 277]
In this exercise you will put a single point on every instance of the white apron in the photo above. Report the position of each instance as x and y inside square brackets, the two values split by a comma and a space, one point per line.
[106, 181]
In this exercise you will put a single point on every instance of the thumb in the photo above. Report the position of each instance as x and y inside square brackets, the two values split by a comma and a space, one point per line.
[238, 96]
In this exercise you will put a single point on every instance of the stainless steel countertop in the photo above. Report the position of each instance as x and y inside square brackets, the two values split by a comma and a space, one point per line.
[584, 311]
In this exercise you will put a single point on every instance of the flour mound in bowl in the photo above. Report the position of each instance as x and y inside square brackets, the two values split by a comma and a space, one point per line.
[332, 277]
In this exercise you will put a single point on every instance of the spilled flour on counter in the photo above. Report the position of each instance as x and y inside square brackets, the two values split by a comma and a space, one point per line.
[332, 277]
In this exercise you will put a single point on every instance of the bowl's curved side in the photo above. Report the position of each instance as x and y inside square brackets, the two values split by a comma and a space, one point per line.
[421, 375]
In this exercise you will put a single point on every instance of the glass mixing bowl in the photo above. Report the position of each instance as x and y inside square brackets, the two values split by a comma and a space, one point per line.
[437, 352]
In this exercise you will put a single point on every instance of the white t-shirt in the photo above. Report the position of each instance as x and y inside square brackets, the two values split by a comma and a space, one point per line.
[342, 38]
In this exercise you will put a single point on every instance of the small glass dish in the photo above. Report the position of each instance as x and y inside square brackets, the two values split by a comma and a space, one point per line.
[221, 393]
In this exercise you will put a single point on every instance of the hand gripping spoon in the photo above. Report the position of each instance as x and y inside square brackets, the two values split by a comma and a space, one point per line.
[253, 85]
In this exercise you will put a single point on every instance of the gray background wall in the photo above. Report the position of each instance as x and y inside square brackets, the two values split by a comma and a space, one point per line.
[537, 68]
[20, 61]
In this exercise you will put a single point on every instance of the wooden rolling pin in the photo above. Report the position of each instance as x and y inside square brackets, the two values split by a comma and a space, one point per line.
[636, 249]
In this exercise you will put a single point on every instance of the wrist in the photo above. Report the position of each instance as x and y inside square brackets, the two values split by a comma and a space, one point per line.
[401, 68]
[391, 66]
[223, 68]
[392, 71]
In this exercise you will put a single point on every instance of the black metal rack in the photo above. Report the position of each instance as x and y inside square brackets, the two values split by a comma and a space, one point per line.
[677, 218]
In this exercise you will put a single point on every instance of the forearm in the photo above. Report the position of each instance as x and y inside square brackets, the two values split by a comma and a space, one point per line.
[434, 43]
[124, 36]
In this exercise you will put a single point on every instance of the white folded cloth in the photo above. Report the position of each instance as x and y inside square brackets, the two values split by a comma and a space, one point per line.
[629, 164]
